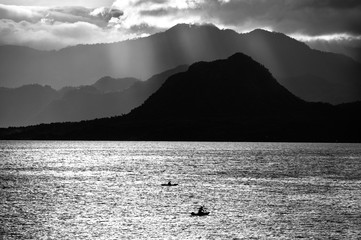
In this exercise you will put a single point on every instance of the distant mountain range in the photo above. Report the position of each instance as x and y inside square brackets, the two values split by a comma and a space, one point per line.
[309, 74]
[18, 106]
[35, 104]
[235, 99]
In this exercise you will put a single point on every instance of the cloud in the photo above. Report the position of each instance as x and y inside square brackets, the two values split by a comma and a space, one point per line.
[159, 14]
[50, 35]
[338, 43]
[49, 28]
[134, 18]
[106, 13]
[72, 14]
[16, 13]
[312, 17]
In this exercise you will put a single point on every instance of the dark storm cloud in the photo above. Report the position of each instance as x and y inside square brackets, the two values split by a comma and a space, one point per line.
[107, 13]
[135, 18]
[312, 17]
[115, 13]
[159, 12]
[335, 4]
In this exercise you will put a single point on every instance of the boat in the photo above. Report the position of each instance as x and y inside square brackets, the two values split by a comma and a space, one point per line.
[200, 214]
[169, 184]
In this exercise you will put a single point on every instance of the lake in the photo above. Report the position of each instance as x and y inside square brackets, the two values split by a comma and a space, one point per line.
[112, 190]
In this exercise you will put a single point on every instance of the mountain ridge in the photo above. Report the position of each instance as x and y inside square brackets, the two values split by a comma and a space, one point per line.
[141, 58]
[205, 82]
[258, 109]
[114, 97]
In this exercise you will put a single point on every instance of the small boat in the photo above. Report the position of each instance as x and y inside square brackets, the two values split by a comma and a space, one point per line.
[200, 214]
[169, 184]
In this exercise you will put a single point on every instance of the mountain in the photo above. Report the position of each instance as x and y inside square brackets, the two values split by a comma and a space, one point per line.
[108, 84]
[309, 74]
[104, 85]
[230, 88]
[35, 104]
[19, 105]
[88, 102]
[235, 99]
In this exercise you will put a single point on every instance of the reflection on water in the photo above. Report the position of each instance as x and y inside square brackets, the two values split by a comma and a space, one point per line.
[111, 190]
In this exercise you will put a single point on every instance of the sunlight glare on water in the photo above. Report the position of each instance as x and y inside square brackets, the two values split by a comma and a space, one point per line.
[112, 190]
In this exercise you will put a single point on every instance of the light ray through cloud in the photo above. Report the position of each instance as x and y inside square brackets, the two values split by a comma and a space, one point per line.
[104, 21]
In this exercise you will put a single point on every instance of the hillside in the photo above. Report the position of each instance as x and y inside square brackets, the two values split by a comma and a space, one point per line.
[36, 104]
[235, 99]
[19, 105]
[88, 103]
[309, 74]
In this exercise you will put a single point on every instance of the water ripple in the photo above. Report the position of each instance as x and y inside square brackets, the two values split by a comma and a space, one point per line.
[111, 190]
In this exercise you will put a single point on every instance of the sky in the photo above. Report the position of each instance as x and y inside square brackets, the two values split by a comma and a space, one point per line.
[55, 24]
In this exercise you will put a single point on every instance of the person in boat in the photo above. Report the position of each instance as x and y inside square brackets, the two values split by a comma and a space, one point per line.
[169, 183]
[201, 210]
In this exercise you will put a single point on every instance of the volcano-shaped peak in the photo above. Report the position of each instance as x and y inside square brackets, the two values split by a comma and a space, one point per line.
[231, 87]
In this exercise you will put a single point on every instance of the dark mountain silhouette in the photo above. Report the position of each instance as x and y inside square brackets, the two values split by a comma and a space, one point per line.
[87, 103]
[309, 74]
[228, 88]
[236, 99]
[107, 97]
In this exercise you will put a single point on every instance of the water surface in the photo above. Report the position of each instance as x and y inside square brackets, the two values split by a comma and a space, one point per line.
[111, 190]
